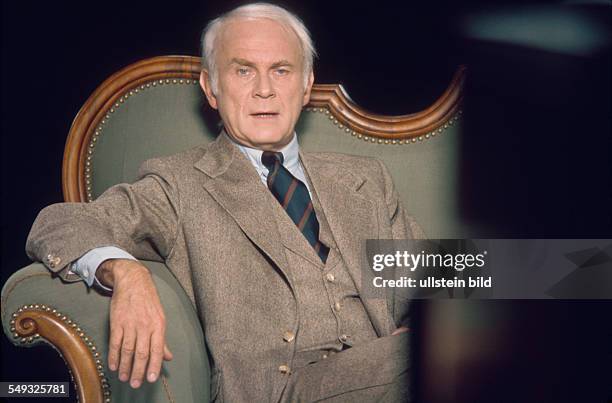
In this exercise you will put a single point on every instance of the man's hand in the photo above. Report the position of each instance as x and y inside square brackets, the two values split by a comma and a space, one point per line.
[137, 322]
[400, 330]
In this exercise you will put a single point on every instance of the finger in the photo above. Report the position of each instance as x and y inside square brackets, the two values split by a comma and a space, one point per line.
[167, 353]
[399, 330]
[157, 354]
[114, 345]
[127, 353]
[141, 357]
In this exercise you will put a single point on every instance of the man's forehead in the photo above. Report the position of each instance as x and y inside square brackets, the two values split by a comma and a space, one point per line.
[258, 40]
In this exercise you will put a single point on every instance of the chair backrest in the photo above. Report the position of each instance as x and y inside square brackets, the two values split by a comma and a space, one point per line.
[155, 107]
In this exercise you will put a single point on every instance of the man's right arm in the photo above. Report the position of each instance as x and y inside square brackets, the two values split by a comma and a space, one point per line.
[140, 218]
[87, 265]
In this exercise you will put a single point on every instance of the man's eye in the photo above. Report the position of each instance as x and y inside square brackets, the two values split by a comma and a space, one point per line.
[242, 71]
[282, 72]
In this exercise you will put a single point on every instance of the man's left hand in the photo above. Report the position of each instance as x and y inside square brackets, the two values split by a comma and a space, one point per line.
[399, 330]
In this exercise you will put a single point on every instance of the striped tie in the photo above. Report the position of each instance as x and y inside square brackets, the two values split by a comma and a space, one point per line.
[293, 196]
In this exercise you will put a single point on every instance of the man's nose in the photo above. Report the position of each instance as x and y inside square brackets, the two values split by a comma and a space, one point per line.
[264, 87]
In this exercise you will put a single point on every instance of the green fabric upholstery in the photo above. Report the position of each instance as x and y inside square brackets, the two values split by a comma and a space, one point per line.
[188, 374]
[164, 119]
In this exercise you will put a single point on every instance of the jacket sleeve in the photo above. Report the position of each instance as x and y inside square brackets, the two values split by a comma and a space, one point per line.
[403, 225]
[140, 218]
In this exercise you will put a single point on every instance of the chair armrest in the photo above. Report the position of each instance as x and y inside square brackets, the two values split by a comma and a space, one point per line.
[40, 308]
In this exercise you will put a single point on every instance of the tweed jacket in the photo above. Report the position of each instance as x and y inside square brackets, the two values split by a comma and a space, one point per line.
[206, 213]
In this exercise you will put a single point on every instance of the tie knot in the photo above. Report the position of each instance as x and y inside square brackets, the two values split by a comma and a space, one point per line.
[270, 158]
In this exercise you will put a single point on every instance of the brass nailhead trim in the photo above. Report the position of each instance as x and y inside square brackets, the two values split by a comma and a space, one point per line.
[41, 307]
[371, 139]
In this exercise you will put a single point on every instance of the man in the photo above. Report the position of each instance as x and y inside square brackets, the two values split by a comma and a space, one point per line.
[266, 240]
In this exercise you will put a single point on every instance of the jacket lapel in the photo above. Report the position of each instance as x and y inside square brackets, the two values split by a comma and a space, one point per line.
[291, 237]
[233, 182]
[352, 219]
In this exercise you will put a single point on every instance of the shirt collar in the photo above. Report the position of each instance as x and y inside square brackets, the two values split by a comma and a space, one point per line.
[290, 154]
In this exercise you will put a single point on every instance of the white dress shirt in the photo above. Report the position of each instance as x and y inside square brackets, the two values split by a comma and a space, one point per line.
[86, 265]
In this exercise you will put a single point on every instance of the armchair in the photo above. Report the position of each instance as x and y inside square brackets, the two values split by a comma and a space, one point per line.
[154, 108]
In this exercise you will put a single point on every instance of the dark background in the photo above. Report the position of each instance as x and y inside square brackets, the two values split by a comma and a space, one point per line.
[536, 145]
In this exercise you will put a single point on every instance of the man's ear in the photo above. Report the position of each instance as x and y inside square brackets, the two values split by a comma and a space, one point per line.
[308, 89]
[207, 88]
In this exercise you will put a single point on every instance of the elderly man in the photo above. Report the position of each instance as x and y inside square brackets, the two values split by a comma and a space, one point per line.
[265, 239]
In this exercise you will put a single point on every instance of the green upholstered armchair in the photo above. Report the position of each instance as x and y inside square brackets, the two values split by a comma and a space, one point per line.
[154, 108]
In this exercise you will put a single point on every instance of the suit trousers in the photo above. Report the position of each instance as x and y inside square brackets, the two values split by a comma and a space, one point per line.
[376, 371]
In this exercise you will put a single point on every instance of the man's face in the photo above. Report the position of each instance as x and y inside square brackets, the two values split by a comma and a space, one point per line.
[260, 82]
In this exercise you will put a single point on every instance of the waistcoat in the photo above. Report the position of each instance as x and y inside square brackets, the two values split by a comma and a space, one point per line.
[331, 314]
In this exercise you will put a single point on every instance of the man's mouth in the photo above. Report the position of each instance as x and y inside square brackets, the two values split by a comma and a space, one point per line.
[264, 115]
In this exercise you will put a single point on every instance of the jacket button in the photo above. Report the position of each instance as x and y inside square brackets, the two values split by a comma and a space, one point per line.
[330, 277]
[337, 306]
[284, 369]
[344, 337]
[288, 336]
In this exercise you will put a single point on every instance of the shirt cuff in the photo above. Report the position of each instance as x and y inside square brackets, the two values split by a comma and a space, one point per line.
[87, 265]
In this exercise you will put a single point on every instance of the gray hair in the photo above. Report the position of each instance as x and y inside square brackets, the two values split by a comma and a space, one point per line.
[255, 11]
